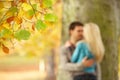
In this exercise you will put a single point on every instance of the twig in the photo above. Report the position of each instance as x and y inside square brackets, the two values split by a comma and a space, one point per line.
[4, 16]
[33, 9]
[28, 20]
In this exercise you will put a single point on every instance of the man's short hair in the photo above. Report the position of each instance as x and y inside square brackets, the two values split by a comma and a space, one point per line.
[75, 24]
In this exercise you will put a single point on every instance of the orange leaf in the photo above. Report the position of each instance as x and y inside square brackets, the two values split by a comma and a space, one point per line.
[3, 38]
[33, 27]
[18, 20]
[28, 17]
[23, 0]
[14, 3]
[10, 19]
[5, 49]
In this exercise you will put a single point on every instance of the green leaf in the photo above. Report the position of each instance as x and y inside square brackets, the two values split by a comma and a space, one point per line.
[40, 25]
[22, 35]
[31, 12]
[13, 9]
[5, 32]
[34, 6]
[50, 17]
[47, 3]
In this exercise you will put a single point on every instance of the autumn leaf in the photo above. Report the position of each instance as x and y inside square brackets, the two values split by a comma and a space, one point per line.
[29, 15]
[13, 9]
[5, 33]
[3, 39]
[23, 1]
[22, 35]
[33, 27]
[18, 20]
[40, 25]
[13, 3]
[31, 12]
[26, 6]
[50, 17]
[1, 5]
[10, 19]
[47, 3]
[5, 49]
[34, 6]
[16, 26]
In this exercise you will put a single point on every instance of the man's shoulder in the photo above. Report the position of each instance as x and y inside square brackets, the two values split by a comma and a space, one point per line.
[66, 45]
[63, 48]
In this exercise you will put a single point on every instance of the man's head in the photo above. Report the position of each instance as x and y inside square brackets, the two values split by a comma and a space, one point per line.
[76, 30]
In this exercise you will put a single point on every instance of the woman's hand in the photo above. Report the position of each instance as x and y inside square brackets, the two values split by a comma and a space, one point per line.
[87, 63]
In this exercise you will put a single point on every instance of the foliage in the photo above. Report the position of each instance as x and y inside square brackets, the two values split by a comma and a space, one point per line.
[19, 19]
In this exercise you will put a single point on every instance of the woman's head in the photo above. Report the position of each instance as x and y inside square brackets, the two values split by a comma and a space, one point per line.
[92, 36]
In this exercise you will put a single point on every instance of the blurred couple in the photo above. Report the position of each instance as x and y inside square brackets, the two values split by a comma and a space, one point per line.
[81, 55]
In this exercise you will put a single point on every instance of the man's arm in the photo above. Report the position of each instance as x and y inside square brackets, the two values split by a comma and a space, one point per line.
[66, 65]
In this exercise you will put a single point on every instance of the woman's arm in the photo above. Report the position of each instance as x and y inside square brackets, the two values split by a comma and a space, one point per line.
[76, 54]
[69, 66]
[82, 50]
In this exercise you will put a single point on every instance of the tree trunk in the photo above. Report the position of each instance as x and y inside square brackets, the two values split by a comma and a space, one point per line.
[105, 13]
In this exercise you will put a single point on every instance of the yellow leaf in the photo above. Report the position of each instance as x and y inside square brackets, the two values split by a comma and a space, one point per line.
[26, 6]
[21, 12]
[16, 26]
[6, 25]
[50, 24]
[28, 16]
[9, 14]
[1, 5]
[38, 15]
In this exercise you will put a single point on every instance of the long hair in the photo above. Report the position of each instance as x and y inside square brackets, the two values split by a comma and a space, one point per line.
[92, 36]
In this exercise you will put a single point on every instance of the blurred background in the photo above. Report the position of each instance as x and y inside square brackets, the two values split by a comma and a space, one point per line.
[32, 31]
[30, 35]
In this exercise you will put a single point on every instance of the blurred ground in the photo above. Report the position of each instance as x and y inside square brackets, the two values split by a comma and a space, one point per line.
[29, 75]
[20, 68]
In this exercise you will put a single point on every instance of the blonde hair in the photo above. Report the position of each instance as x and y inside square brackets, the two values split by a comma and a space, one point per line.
[92, 36]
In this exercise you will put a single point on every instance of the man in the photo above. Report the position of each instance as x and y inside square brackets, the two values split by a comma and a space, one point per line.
[72, 69]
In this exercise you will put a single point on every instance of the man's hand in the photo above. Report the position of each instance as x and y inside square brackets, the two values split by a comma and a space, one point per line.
[87, 63]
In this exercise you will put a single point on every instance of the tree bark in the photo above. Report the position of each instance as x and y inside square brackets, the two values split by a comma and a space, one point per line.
[105, 13]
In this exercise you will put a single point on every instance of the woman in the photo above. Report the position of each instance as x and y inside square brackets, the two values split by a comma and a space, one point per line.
[91, 47]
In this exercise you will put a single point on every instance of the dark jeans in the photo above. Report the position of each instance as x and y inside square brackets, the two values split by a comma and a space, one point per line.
[85, 77]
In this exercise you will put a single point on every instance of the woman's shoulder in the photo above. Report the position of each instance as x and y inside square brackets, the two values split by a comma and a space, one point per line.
[81, 43]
